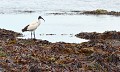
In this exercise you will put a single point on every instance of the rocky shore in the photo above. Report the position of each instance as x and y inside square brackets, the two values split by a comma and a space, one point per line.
[102, 12]
[93, 12]
[100, 54]
[96, 36]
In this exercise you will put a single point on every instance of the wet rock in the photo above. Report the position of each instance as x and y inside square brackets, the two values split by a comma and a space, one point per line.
[98, 11]
[25, 11]
[7, 34]
[57, 13]
[102, 12]
[94, 35]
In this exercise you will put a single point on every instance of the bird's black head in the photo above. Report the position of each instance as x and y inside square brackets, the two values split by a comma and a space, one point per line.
[40, 18]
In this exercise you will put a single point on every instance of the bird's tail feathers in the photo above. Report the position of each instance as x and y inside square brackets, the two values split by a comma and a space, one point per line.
[25, 29]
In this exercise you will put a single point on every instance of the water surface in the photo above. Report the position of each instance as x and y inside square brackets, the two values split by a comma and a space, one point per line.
[63, 27]
[45, 6]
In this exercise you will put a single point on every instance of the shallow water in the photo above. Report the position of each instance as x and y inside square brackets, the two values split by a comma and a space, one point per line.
[16, 14]
[64, 27]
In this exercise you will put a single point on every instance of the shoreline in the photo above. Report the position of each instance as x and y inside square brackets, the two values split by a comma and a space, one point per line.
[69, 12]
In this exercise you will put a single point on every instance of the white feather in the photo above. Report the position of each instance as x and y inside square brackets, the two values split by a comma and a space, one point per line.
[33, 26]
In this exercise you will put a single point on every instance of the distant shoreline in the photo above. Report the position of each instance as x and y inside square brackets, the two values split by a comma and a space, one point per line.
[72, 12]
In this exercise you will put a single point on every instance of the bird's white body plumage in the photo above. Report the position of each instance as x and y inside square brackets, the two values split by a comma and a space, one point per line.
[33, 26]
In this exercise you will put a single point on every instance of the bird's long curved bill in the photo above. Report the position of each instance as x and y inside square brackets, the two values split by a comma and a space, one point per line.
[43, 19]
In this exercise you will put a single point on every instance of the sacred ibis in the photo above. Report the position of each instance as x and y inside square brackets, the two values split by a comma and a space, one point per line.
[33, 26]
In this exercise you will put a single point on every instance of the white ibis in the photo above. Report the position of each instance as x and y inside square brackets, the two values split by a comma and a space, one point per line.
[33, 26]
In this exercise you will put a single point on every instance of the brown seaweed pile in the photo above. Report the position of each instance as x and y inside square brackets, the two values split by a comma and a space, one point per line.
[102, 12]
[27, 55]
[8, 34]
[94, 35]
[94, 12]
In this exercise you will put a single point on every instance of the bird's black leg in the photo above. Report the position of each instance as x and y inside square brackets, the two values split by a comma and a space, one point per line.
[31, 34]
[34, 34]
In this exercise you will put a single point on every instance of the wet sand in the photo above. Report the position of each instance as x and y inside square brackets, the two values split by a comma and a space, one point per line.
[35, 55]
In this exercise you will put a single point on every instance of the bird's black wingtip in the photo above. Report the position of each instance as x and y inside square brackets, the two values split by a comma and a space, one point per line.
[23, 30]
